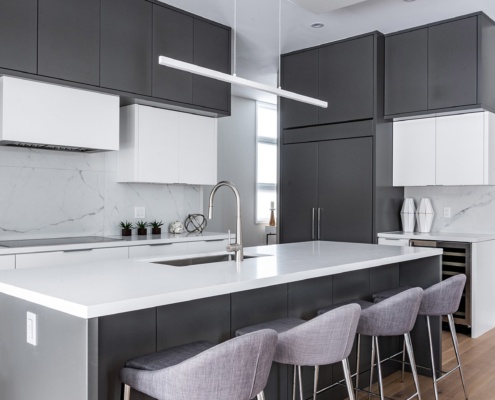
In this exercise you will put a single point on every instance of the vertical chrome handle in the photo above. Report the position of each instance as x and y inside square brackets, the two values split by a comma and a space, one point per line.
[319, 223]
[313, 225]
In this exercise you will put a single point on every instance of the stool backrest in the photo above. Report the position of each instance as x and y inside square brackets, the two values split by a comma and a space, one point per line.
[237, 369]
[323, 340]
[393, 316]
[443, 298]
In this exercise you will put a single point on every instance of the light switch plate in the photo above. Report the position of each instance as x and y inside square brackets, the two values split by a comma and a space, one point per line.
[139, 212]
[32, 328]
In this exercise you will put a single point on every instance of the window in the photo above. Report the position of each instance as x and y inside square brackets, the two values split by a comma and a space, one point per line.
[266, 164]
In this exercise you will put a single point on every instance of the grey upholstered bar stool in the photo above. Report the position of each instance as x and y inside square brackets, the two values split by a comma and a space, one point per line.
[324, 340]
[237, 369]
[394, 316]
[438, 300]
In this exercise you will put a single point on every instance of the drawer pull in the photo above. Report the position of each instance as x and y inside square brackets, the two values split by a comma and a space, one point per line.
[160, 244]
[214, 240]
[76, 250]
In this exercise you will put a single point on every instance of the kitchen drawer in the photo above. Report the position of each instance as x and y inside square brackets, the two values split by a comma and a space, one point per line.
[393, 242]
[7, 262]
[207, 246]
[69, 257]
[159, 249]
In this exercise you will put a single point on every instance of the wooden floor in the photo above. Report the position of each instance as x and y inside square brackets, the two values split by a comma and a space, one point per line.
[478, 361]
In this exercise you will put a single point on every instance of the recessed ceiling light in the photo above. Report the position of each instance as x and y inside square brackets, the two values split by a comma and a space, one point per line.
[320, 24]
[409, 1]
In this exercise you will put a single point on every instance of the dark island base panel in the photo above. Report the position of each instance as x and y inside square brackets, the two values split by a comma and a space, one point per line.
[80, 359]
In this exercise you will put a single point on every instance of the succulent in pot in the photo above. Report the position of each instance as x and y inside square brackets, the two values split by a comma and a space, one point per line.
[155, 227]
[142, 227]
[126, 228]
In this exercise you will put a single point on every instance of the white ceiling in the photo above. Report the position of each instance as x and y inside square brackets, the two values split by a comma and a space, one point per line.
[258, 26]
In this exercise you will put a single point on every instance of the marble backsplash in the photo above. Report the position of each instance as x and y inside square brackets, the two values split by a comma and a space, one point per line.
[472, 207]
[48, 193]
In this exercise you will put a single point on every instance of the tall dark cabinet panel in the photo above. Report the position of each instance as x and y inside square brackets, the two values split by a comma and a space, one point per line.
[406, 72]
[300, 76]
[126, 35]
[336, 177]
[211, 50]
[172, 37]
[19, 35]
[452, 63]
[300, 191]
[345, 190]
[346, 80]
[69, 40]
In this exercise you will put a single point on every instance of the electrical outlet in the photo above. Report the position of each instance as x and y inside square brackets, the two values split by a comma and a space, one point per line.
[139, 212]
[32, 328]
[446, 212]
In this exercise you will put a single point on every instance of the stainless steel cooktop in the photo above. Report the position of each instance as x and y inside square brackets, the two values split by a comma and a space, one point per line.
[56, 241]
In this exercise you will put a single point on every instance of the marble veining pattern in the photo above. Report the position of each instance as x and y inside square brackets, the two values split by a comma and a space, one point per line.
[472, 207]
[51, 193]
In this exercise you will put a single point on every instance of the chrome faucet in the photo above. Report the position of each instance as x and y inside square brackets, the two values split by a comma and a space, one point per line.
[235, 247]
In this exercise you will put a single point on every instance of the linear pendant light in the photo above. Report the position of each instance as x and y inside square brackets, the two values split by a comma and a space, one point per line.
[210, 73]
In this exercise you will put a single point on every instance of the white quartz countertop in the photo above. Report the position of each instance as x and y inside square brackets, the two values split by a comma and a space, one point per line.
[122, 241]
[117, 286]
[448, 236]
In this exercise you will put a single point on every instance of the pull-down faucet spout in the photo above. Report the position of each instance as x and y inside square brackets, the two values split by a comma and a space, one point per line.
[237, 246]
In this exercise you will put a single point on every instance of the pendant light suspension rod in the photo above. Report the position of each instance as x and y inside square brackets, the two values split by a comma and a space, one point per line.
[279, 77]
[235, 38]
[210, 73]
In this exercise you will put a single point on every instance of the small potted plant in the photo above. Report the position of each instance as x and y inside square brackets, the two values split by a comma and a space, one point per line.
[155, 227]
[142, 227]
[126, 228]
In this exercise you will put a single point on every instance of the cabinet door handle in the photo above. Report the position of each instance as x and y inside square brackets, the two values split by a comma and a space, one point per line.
[160, 244]
[313, 225]
[319, 223]
[214, 240]
[76, 250]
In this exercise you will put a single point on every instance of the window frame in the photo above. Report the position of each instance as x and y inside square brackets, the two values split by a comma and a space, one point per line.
[270, 141]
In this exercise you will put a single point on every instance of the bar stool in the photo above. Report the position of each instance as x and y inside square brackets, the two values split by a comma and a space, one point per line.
[326, 339]
[441, 299]
[394, 316]
[237, 369]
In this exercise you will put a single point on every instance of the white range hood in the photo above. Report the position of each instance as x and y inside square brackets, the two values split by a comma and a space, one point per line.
[42, 115]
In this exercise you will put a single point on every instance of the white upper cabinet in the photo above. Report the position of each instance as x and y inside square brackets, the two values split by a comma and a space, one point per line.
[53, 115]
[414, 152]
[163, 146]
[452, 150]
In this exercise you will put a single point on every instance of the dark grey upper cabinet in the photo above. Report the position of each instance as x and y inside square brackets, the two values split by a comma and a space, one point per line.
[346, 80]
[69, 40]
[453, 63]
[172, 37]
[299, 191]
[18, 35]
[406, 72]
[300, 75]
[345, 190]
[211, 50]
[126, 36]
[446, 66]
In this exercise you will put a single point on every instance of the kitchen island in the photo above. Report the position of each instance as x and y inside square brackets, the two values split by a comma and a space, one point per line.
[92, 317]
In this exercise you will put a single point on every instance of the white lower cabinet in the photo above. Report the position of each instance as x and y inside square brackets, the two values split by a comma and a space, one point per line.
[69, 257]
[7, 262]
[157, 250]
[393, 242]
[208, 246]
[452, 150]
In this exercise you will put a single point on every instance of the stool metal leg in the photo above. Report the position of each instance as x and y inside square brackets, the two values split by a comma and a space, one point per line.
[403, 360]
[433, 368]
[407, 338]
[127, 392]
[456, 349]
[348, 379]
[358, 361]
[315, 387]
[301, 397]
[373, 350]
[261, 396]
[294, 383]
[379, 367]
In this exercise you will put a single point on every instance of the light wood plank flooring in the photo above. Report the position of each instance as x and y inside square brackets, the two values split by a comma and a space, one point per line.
[478, 361]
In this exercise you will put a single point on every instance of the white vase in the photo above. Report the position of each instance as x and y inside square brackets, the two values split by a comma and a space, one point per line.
[424, 215]
[407, 215]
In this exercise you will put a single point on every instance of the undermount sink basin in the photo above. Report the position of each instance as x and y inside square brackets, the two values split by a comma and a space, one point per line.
[184, 262]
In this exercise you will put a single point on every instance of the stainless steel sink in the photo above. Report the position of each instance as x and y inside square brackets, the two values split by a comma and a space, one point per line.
[184, 262]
